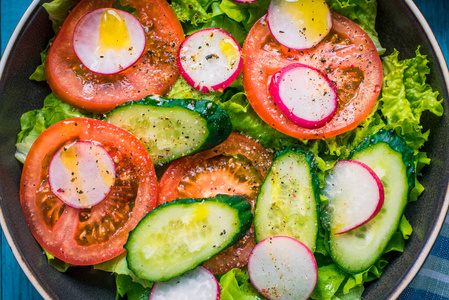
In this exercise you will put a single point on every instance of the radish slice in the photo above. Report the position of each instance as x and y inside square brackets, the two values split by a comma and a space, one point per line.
[355, 195]
[304, 95]
[198, 284]
[108, 40]
[299, 24]
[282, 268]
[81, 174]
[210, 59]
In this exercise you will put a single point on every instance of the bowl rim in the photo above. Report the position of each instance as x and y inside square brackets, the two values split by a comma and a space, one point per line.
[34, 281]
[425, 249]
[444, 209]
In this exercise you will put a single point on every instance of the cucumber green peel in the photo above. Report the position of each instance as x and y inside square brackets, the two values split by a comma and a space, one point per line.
[392, 160]
[397, 144]
[179, 235]
[172, 128]
[288, 203]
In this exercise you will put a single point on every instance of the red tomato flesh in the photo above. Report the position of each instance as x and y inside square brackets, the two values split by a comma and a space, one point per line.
[91, 235]
[347, 56]
[154, 73]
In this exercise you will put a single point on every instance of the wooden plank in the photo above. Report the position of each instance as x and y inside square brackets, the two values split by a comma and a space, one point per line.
[435, 12]
[15, 285]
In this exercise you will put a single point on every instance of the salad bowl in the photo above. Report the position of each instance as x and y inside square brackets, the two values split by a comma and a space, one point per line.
[400, 26]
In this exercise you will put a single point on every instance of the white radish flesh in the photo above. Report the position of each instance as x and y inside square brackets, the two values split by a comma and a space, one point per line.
[210, 59]
[355, 195]
[299, 24]
[198, 284]
[108, 41]
[304, 95]
[81, 174]
[283, 268]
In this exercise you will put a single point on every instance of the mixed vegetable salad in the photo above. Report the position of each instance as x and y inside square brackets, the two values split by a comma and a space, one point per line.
[173, 131]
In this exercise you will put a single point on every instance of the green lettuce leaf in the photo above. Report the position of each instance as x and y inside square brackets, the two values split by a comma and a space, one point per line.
[182, 90]
[56, 263]
[406, 95]
[235, 286]
[119, 266]
[330, 278]
[39, 73]
[58, 10]
[245, 120]
[34, 122]
[132, 290]
[236, 18]
[353, 294]
[191, 11]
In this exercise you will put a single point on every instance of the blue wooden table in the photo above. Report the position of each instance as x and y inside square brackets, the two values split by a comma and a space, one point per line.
[14, 285]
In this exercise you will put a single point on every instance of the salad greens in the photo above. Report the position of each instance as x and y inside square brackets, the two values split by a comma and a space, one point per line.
[404, 98]
[34, 122]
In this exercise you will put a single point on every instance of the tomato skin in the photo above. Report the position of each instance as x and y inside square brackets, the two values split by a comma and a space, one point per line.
[154, 73]
[236, 144]
[87, 236]
[347, 56]
[256, 158]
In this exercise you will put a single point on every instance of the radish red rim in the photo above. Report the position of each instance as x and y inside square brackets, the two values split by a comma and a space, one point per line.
[210, 59]
[355, 193]
[81, 174]
[282, 267]
[304, 95]
[108, 41]
[299, 24]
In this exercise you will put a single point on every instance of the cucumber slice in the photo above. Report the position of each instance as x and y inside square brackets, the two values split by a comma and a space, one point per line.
[179, 235]
[172, 128]
[392, 160]
[287, 204]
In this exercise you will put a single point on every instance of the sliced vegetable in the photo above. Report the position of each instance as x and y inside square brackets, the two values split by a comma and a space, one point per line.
[237, 166]
[347, 56]
[282, 268]
[299, 24]
[304, 95]
[198, 284]
[81, 174]
[172, 128]
[355, 195]
[153, 73]
[288, 203]
[108, 41]
[90, 235]
[210, 59]
[179, 235]
[392, 160]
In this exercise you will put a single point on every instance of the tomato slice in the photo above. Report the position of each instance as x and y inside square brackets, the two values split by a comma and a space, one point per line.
[238, 166]
[154, 73]
[347, 56]
[90, 235]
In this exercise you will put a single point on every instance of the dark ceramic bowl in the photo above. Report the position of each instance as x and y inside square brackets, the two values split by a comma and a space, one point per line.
[400, 26]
